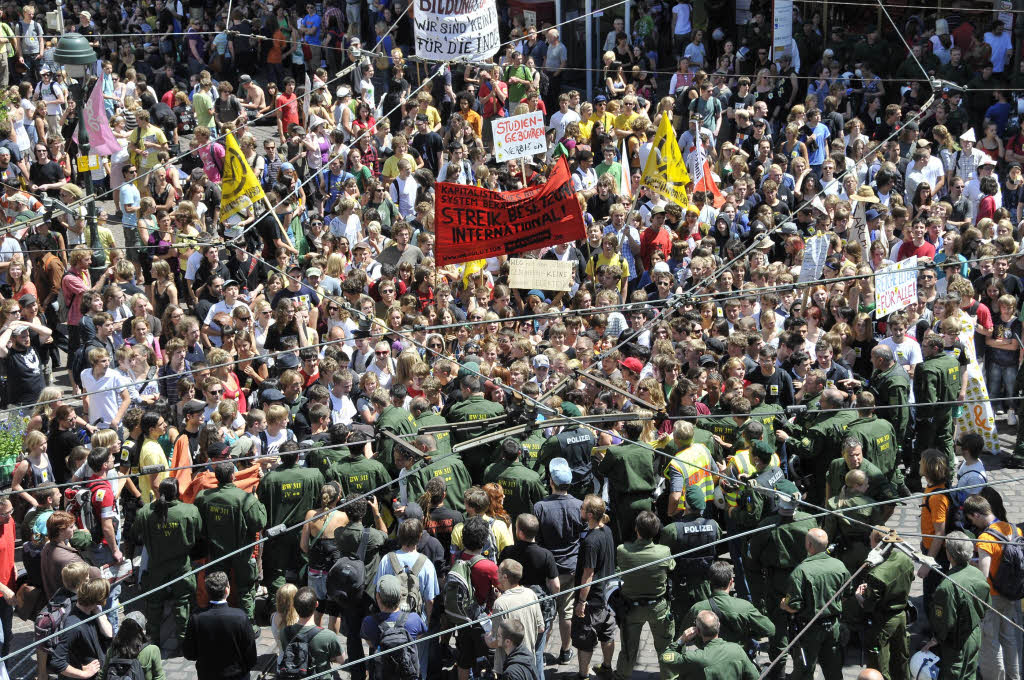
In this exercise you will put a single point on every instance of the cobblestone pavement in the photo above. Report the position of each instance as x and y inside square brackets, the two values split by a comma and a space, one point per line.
[906, 520]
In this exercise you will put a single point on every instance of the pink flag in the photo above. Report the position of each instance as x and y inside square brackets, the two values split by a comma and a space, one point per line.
[101, 139]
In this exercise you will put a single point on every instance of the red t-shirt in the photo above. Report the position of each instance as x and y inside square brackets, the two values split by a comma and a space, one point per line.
[8, 574]
[289, 105]
[651, 239]
[485, 577]
[102, 499]
[908, 249]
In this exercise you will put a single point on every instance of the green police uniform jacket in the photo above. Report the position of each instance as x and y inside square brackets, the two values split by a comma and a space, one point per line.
[716, 660]
[816, 444]
[443, 440]
[879, 487]
[771, 418]
[455, 474]
[936, 379]
[522, 486]
[892, 388]
[629, 469]
[532, 446]
[322, 458]
[777, 551]
[358, 474]
[288, 493]
[476, 407]
[398, 421]
[812, 415]
[231, 518]
[644, 584]
[851, 529]
[169, 541]
[878, 440]
[888, 585]
[955, 614]
[740, 621]
[812, 583]
[721, 424]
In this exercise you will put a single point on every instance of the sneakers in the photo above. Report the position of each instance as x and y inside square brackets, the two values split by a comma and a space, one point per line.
[565, 656]
[1011, 418]
[603, 672]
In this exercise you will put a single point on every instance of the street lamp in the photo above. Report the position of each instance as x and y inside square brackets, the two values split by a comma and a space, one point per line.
[76, 56]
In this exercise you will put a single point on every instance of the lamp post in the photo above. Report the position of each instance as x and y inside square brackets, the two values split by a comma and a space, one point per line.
[76, 56]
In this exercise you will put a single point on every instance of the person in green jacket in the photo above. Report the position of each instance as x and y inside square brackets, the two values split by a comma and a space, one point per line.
[424, 416]
[691, 531]
[815, 446]
[358, 473]
[522, 486]
[936, 379]
[879, 487]
[288, 492]
[851, 529]
[629, 469]
[741, 622]
[771, 555]
[808, 590]
[644, 594]
[321, 458]
[957, 609]
[125, 645]
[394, 419]
[430, 465]
[474, 406]
[168, 529]
[877, 437]
[883, 595]
[711, 657]
[891, 386]
[231, 519]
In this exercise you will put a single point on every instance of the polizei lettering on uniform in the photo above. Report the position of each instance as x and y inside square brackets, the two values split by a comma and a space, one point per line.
[698, 528]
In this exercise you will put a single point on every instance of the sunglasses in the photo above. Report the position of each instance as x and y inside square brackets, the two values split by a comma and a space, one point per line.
[382, 354]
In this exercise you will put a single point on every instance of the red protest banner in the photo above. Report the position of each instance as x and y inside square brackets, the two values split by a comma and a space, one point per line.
[473, 223]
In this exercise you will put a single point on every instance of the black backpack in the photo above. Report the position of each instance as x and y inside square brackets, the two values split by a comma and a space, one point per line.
[404, 662]
[1009, 577]
[125, 669]
[346, 581]
[297, 659]
[51, 620]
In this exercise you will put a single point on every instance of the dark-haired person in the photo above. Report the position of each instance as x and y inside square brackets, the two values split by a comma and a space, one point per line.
[220, 639]
[79, 649]
[168, 529]
[131, 642]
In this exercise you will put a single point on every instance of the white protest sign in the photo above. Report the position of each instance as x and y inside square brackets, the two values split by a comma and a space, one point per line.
[452, 30]
[782, 29]
[541, 274]
[519, 136]
[895, 287]
[815, 252]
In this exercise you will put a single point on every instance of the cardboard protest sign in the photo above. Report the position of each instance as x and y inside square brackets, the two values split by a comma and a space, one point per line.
[541, 274]
[895, 287]
[519, 136]
[815, 252]
[473, 223]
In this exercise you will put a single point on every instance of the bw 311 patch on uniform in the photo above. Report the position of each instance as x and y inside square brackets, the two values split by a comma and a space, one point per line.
[805, 441]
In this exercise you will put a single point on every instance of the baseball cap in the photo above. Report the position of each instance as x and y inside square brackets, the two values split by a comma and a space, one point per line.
[272, 395]
[695, 497]
[707, 360]
[314, 271]
[27, 300]
[194, 406]
[872, 214]
[541, 360]
[245, 79]
[600, 99]
[560, 472]
[288, 360]
[633, 364]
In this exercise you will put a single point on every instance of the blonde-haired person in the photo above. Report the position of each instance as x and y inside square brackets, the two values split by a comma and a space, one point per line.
[284, 615]
[218, 360]
[32, 470]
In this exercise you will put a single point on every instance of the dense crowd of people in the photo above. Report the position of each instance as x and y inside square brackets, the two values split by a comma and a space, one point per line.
[292, 416]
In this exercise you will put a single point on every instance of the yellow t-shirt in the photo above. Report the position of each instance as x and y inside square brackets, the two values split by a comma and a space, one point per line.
[502, 536]
[390, 169]
[624, 120]
[607, 119]
[151, 454]
[586, 129]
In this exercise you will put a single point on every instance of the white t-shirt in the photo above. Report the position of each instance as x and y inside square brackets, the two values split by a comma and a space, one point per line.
[681, 14]
[219, 308]
[342, 409]
[104, 395]
[1000, 44]
[559, 120]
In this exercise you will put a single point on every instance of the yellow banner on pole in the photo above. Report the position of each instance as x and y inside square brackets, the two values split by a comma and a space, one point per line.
[665, 171]
[239, 187]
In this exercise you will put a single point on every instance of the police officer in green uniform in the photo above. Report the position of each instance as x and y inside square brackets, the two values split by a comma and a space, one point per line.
[757, 498]
[644, 592]
[711, 657]
[773, 554]
[574, 443]
[522, 486]
[474, 406]
[533, 442]
[358, 474]
[958, 606]
[168, 529]
[809, 587]
[629, 469]
[288, 492]
[741, 622]
[883, 598]
[771, 416]
[809, 398]
[891, 386]
[689, 579]
[424, 416]
[231, 519]
[431, 465]
[721, 423]
[815, 445]
[322, 457]
[850, 529]
[936, 379]
[395, 420]
[878, 439]
[879, 486]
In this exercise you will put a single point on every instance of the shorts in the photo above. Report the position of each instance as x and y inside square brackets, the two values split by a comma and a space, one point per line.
[470, 646]
[133, 251]
[565, 600]
[596, 625]
[317, 580]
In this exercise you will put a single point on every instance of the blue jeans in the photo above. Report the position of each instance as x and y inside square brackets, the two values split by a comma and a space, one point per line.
[102, 554]
[1000, 381]
[542, 642]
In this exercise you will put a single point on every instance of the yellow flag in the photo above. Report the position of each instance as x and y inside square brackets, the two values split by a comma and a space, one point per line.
[665, 171]
[472, 267]
[239, 187]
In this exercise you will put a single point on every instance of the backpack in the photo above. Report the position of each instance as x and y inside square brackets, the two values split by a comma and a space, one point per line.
[296, 661]
[412, 598]
[63, 304]
[125, 669]
[51, 620]
[1009, 577]
[548, 608]
[80, 505]
[490, 550]
[346, 581]
[460, 605]
[404, 662]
